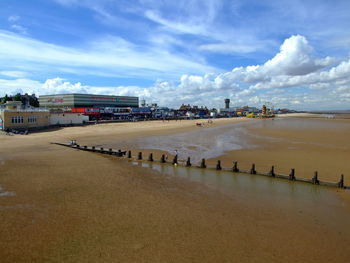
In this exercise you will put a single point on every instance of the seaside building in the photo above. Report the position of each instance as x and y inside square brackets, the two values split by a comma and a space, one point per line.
[199, 112]
[70, 101]
[14, 116]
[67, 118]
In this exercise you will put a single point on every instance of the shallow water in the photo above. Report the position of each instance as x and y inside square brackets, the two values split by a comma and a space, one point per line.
[318, 202]
[5, 193]
[216, 141]
[247, 185]
[201, 143]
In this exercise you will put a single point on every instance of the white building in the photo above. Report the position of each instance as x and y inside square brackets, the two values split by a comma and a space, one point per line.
[67, 118]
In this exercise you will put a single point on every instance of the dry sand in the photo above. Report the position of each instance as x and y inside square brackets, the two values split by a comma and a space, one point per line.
[73, 206]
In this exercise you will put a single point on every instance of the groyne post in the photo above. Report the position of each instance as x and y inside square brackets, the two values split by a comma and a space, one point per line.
[252, 170]
[203, 165]
[188, 162]
[218, 165]
[272, 171]
[119, 152]
[292, 175]
[150, 157]
[110, 151]
[162, 159]
[101, 149]
[235, 167]
[341, 182]
[139, 156]
[85, 147]
[129, 154]
[175, 160]
[93, 148]
[315, 178]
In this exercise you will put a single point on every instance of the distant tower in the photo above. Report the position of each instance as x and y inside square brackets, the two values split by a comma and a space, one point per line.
[143, 103]
[227, 103]
[264, 110]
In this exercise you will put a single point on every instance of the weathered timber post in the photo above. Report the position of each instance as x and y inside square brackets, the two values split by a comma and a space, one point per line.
[129, 154]
[292, 174]
[235, 167]
[272, 171]
[120, 152]
[341, 182]
[315, 179]
[101, 149]
[93, 148]
[175, 160]
[188, 162]
[85, 147]
[110, 151]
[252, 170]
[77, 145]
[203, 165]
[162, 159]
[140, 156]
[218, 165]
[150, 158]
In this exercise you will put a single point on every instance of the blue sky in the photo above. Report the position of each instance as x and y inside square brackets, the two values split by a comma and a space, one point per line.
[292, 53]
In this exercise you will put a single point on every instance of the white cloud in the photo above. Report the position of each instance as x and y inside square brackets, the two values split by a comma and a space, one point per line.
[14, 74]
[20, 85]
[294, 58]
[19, 28]
[111, 55]
[13, 18]
[278, 81]
[228, 48]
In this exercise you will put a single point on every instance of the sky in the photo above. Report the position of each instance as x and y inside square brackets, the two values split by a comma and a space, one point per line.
[289, 53]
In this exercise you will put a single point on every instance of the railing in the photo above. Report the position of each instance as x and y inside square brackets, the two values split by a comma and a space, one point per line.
[25, 110]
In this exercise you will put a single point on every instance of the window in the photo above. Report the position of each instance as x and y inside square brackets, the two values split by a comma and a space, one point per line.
[17, 119]
[32, 119]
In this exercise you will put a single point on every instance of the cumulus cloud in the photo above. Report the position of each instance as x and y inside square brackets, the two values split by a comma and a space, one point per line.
[279, 80]
[294, 59]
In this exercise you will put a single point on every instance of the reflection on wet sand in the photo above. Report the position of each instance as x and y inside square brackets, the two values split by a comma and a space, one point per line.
[303, 143]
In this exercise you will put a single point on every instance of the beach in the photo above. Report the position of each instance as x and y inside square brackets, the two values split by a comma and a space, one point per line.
[64, 205]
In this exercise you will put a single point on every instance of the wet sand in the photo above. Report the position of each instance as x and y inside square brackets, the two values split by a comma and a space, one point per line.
[306, 144]
[73, 206]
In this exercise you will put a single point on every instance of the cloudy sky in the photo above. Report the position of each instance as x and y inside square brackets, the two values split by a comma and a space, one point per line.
[292, 53]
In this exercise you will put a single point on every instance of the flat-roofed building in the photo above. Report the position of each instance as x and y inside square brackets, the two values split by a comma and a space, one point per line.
[13, 116]
[67, 118]
[86, 100]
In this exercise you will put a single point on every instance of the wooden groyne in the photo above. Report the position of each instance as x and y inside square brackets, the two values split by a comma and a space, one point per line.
[235, 169]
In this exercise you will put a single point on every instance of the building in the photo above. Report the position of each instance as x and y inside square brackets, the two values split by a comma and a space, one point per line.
[67, 118]
[13, 116]
[70, 101]
[227, 103]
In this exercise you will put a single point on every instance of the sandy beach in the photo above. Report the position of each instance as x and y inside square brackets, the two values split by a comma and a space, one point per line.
[63, 205]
